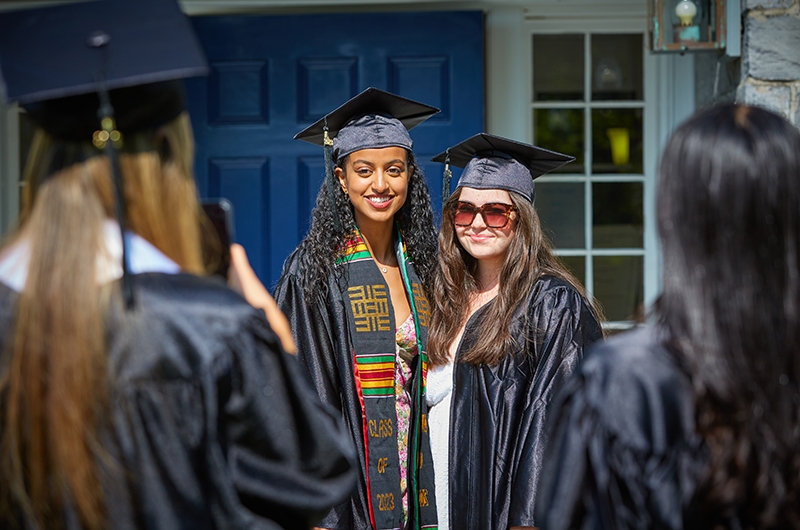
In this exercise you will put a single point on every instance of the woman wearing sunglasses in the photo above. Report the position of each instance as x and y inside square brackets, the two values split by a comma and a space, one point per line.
[509, 325]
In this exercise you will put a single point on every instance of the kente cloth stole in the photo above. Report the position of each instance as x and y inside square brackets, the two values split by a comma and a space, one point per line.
[372, 332]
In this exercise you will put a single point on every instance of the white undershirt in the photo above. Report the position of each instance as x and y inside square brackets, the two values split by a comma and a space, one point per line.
[144, 257]
[439, 392]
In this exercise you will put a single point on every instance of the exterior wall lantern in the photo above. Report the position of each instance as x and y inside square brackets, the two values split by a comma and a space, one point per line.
[686, 25]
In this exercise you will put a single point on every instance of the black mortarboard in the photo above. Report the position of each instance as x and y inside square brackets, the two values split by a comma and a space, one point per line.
[53, 61]
[371, 120]
[493, 162]
[94, 71]
[374, 119]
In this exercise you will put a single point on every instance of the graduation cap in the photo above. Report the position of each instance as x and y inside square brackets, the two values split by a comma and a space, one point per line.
[56, 60]
[374, 119]
[95, 71]
[493, 162]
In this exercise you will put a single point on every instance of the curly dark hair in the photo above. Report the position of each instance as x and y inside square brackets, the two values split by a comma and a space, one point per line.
[729, 219]
[325, 237]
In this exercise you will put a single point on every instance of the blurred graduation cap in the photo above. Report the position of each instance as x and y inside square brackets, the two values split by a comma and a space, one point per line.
[95, 71]
[494, 162]
[48, 54]
[374, 119]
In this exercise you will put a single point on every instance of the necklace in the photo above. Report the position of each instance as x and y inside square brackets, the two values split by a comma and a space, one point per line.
[383, 269]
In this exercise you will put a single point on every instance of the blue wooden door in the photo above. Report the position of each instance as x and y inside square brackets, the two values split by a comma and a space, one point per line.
[271, 76]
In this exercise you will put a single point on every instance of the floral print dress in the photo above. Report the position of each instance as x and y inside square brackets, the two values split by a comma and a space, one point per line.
[406, 339]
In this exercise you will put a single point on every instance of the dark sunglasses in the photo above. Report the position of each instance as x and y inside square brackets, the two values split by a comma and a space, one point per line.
[495, 214]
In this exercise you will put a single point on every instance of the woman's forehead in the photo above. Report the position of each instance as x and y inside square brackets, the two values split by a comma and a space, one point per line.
[379, 155]
[479, 196]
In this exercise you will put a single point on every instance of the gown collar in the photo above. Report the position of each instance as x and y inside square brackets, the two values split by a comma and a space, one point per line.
[145, 257]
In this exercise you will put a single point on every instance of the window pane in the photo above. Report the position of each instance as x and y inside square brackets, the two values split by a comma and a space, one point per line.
[617, 141]
[561, 210]
[618, 285]
[617, 215]
[557, 67]
[617, 67]
[561, 130]
[576, 265]
[27, 130]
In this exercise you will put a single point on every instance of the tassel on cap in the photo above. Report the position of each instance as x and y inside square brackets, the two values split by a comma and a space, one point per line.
[85, 73]
[106, 116]
[446, 176]
[330, 177]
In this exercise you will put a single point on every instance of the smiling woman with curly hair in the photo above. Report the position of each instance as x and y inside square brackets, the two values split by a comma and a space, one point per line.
[355, 294]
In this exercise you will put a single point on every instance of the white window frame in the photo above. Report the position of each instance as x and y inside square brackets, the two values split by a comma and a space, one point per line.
[588, 178]
[668, 100]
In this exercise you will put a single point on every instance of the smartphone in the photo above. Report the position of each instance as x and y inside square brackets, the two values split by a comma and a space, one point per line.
[218, 234]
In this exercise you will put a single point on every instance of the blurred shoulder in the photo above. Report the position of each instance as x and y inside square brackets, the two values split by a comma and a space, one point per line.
[207, 298]
[638, 387]
[183, 326]
[638, 354]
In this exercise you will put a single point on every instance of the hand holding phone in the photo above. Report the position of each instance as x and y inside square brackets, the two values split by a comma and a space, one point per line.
[218, 237]
[229, 260]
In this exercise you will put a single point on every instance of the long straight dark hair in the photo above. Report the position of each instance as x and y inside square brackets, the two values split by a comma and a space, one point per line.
[529, 257]
[729, 220]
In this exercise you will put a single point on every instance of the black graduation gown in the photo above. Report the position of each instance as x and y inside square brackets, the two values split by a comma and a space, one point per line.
[322, 334]
[499, 413]
[212, 423]
[624, 453]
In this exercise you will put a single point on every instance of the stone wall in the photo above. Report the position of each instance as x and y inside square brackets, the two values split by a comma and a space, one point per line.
[770, 66]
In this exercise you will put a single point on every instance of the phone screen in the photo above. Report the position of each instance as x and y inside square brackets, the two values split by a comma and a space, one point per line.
[217, 237]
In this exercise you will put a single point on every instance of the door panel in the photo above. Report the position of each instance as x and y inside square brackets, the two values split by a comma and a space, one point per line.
[271, 76]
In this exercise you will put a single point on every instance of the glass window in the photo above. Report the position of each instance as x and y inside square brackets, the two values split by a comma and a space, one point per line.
[592, 210]
[555, 79]
[576, 265]
[617, 141]
[27, 130]
[618, 286]
[617, 67]
[561, 212]
[561, 130]
[617, 215]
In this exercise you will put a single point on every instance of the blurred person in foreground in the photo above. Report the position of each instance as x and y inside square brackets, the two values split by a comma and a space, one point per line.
[133, 392]
[693, 422]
